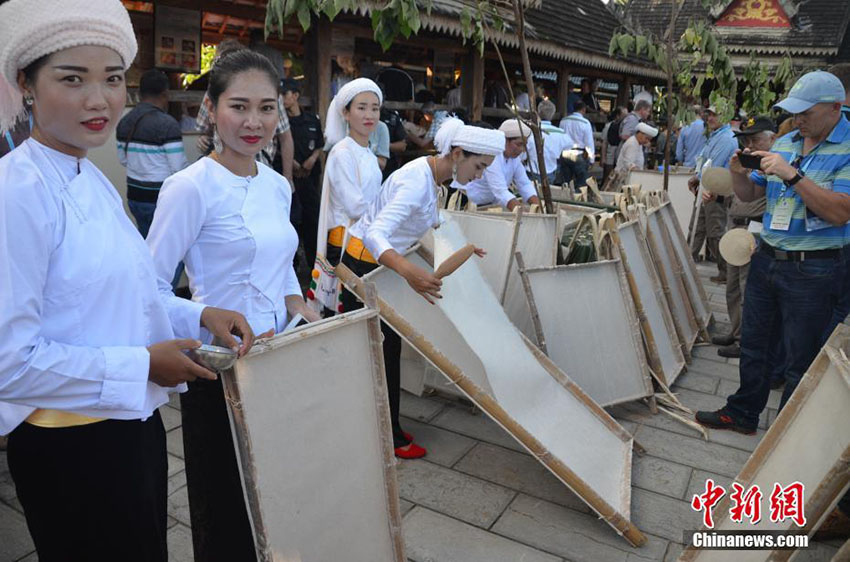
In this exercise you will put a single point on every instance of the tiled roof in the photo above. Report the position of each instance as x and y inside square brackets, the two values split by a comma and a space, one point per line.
[818, 27]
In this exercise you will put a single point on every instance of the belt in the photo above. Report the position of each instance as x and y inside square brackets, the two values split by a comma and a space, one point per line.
[58, 418]
[744, 221]
[358, 251]
[787, 255]
[335, 236]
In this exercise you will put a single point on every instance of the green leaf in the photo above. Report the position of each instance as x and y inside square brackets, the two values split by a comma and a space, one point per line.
[612, 45]
[304, 17]
[413, 20]
[640, 44]
[626, 43]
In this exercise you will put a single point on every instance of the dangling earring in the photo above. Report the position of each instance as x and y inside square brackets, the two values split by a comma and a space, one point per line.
[454, 171]
[28, 101]
[217, 145]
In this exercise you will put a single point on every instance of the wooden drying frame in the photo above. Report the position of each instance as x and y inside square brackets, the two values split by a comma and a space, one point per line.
[666, 284]
[243, 438]
[491, 407]
[666, 315]
[836, 480]
[632, 317]
[701, 297]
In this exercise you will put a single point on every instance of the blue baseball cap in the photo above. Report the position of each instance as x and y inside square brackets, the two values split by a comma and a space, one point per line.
[813, 88]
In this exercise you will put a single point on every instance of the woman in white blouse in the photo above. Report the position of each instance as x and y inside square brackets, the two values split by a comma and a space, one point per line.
[352, 173]
[227, 218]
[405, 209]
[87, 354]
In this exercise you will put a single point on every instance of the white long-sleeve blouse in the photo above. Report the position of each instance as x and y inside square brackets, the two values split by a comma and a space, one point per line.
[234, 236]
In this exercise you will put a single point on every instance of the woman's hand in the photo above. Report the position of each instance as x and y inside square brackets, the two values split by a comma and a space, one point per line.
[295, 305]
[480, 252]
[224, 324]
[424, 283]
[169, 366]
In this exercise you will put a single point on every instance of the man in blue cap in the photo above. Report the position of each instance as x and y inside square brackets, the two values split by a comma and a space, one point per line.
[796, 275]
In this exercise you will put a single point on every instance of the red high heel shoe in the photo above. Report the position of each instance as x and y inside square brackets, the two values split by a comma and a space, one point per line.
[414, 451]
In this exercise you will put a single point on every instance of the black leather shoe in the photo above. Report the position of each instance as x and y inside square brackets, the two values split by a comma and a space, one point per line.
[728, 339]
[733, 351]
[722, 420]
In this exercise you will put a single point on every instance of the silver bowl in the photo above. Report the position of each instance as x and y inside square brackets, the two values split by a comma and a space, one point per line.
[213, 357]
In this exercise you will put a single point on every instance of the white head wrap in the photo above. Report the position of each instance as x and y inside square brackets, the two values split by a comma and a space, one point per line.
[335, 127]
[476, 140]
[513, 129]
[32, 29]
[648, 130]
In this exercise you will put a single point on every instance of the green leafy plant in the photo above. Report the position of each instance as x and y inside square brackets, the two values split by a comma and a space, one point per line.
[207, 56]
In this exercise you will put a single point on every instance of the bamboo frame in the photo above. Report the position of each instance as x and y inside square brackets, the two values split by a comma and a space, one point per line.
[677, 234]
[535, 317]
[685, 341]
[243, 439]
[631, 313]
[620, 522]
[666, 316]
[831, 363]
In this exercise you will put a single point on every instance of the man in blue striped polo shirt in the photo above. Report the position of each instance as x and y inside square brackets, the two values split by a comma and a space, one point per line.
[797, 273]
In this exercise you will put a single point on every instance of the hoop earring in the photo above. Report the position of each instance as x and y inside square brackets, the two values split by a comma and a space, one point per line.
[28, 101]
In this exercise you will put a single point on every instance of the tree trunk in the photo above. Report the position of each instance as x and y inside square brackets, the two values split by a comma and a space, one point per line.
[538, 137]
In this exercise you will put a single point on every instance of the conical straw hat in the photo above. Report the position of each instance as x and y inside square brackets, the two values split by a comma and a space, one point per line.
[737, 246]
[718, 181]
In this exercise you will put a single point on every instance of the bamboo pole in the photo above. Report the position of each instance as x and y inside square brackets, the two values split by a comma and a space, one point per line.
[493, 409]
[532, 305]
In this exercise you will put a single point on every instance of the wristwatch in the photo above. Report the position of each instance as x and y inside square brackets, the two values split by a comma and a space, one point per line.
[793, 181]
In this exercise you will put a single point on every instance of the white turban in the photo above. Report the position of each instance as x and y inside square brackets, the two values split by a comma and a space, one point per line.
[513, 129]
[476, 140]
[648, 130]
[335, 127]
[32, 29]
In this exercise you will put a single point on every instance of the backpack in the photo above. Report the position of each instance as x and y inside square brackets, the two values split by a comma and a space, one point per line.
[614, 132]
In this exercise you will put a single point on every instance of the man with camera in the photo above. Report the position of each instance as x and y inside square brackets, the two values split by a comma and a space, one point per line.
[758, 136]
[796, 274]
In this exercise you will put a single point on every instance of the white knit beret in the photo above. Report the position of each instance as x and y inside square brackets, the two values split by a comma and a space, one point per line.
[32, 29]
[513, 128]
[476, 140]
[335, 127]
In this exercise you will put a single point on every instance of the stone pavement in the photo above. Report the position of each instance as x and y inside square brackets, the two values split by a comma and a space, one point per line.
[479, 497]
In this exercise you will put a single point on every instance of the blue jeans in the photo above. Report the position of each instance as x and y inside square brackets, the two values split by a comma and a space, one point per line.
[536, 177]
[573, 170]
[143, 213]
[794, 301]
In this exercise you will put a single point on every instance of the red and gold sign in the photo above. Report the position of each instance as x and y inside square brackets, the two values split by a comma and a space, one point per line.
[754, 13]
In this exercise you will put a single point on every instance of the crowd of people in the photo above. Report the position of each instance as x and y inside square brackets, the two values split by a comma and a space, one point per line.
[96, 337]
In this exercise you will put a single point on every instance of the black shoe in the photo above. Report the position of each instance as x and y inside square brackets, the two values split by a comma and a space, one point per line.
[722, 420]
[719, 279]
[728, 339]
[733, 351]
[776, 384]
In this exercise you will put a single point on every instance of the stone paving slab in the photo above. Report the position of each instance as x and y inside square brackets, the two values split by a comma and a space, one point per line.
[15, 542]
[444, 447]
[453, 493]
[477, 425]
[431, 537]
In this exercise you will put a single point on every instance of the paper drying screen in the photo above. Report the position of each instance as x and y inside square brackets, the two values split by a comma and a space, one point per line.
[562, 422]
[651, 296]
[309, 403]
[664, 261]
[495, 235]
[680, 246]
[591, 330]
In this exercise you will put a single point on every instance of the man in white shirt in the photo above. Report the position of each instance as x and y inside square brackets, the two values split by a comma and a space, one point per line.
[631, 153]
[555, 141]
[580, 131]
[507, 168]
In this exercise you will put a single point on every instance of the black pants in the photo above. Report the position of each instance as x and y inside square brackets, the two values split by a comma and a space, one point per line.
[308, 194]
[93, 492]
[392, 349]
[221, 530]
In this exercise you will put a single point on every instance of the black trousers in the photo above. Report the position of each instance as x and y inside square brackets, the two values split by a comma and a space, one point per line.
[392, 349]
[221, 529]
[93, 492]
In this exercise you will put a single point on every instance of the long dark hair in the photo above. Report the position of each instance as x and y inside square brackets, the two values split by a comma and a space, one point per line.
[234, 63]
